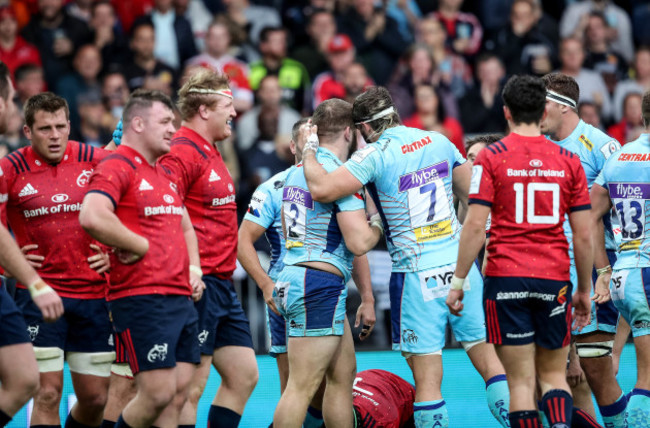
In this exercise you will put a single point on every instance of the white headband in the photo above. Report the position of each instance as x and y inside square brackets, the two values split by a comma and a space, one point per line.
[560, 99]
[224, 92]
[379, 115]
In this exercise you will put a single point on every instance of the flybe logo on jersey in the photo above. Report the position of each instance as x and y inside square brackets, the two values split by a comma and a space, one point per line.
[629, 191]
[634, 157]
[298, 196]
[423, 176]
[416, 145]
[163, 209]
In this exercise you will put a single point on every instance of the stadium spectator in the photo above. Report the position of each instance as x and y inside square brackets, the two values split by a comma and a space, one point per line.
[91, 114]
[589, 112]
[14, 50]
[115, 94]
[13, 139]
[87, 64]
[592, 86]
[407, 14]
[57, 35]
[481, 109]
[376, 37]
[199, 17]
[129, 11]
[430, 115]
[321, 27]
[269, 98]
[631, 125]
[29, 82]
[217, 57]
[80, 9]
[252, 18]
[111, 42]
[146, 71]
[292, 75]
[174, 39]
[416, 68]
[640, 82]
[329, 84]
[464, 31]
[355, 81]
[451, 69]
[576, 17]
[600, 57]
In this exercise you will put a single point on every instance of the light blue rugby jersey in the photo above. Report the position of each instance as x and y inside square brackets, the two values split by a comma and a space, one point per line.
[593, 147]
[312, 231]
[408, 172]
[264, 209]
[626, 176]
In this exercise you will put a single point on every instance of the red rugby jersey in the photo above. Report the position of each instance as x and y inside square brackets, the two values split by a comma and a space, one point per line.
[146, 202]
[208, 192]
[383, 399]
[530, 183]
[42, 207]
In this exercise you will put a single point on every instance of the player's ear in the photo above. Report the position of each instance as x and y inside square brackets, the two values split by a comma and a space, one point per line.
[506, 113]
[203, 111]
[27, 131]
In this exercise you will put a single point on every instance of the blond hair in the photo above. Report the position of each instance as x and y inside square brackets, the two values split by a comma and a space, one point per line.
[190, 100]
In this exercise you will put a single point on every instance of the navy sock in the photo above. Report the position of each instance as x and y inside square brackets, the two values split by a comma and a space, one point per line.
[187, 426]
[121, 424]
[614, 414]
[71, 422]
[108, 424]
[222, 417]
[524, 419]
[557, 405]
[582, 419]
[4, 418]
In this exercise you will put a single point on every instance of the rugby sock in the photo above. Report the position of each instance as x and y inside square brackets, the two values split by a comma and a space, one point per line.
[582, 419]
[557, 405]
[638, 409]
[121, 424]
[498, 398]
[614, 414]
[187, 426]
[71, 422]
[524, 419]
[314, 418]
[108, 424]
[222, 417]
[4, 418]
[428, 414]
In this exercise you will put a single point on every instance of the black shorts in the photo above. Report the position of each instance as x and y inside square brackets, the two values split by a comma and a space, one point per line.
[519, 311]
[13, 329]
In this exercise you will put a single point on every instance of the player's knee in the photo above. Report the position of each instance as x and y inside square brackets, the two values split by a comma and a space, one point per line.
[161, 398]
[243, 380]
[93, 401]
[48, 396]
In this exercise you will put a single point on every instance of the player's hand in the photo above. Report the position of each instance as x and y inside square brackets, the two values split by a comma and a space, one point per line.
[581, 310]
[198, 286]
[267, 291]
[308, 137]
[100, 262]
[34, 260]
[574, 374]
[129, 257]
[601, 290]
[50, 304]
[455, 302]
[366, 318]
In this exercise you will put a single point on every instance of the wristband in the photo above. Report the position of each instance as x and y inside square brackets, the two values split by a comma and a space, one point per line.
[457, 283]
[604, 270]
[196, 270]
[311, 144]
[375, 221]
[39, 287]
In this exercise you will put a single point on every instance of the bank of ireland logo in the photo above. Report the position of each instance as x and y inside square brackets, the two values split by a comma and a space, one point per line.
[203, 336]
[157, 353]
[82, 180]
[33, 332]
[60, 198]
[168, 198]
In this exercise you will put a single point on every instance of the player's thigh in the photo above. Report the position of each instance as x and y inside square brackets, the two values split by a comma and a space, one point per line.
[630, 291]
[343, 366]
[231, 326]
[309, 358]
[235, 364]
[550, 303]
[18, 367]
[470, 327]
[418, 311]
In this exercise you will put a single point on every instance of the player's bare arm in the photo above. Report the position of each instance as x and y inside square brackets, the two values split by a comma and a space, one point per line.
[97, 217]
[250, 232]
[600, 206]
[472, 238]
[195, 260]
[359, 235]
[366, 317]
[582, 249]
[460, 186]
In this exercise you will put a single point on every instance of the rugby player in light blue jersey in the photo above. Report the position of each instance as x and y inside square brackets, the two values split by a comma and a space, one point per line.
[624, 183]
[595, 342]
[412, 176]
[310, 293]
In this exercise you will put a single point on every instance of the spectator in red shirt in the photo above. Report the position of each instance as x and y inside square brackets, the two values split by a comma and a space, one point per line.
[430, 116]
[14, 50]
[631, 126]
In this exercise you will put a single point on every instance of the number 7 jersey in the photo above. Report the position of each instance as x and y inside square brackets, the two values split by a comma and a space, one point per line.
[530, 184]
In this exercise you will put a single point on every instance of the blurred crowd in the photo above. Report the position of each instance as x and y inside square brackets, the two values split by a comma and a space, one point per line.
[444, 61]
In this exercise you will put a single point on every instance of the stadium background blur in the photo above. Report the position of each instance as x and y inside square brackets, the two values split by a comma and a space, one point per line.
[445, 63]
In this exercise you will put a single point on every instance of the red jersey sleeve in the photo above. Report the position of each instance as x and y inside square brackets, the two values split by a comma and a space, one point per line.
[481, 189]
[580, 192]
[112, 177]
[182, 166]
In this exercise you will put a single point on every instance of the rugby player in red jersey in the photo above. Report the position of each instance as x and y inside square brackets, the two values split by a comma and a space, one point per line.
[528, 184]
[19, 381]
[207, 190]
[132, 205]
[382, 399]
[46, 183]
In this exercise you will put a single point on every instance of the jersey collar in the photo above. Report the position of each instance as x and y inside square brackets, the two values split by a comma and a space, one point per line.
[580, 129]
[39, 162]
[191, 134]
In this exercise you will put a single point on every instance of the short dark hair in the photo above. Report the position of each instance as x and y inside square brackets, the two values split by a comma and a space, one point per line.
[371, 102]
[486, 139]
[332, 117]
[525, 97]
[563, 85]
[24, 70]
[143, 99]
[47, 102]
[645, 108]
[144, 22]
[5, 76]
[266, 31]
[295, 129]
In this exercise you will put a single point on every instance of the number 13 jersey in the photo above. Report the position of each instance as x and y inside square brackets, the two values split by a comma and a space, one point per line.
[530, 184]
